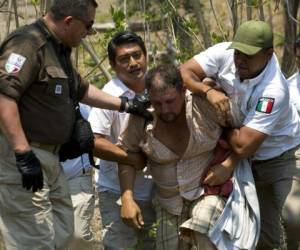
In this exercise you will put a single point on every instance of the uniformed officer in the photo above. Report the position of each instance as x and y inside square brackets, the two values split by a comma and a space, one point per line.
[38, 89]
[249, 72]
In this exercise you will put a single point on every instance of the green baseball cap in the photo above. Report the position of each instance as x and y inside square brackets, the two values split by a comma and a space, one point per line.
[252, 36]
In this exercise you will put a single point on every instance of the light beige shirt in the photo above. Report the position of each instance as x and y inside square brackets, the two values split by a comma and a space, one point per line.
[176, 178]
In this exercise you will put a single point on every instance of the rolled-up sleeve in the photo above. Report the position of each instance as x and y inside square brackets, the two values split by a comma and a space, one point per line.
[83, 86]
[133, 134]
[19, 65]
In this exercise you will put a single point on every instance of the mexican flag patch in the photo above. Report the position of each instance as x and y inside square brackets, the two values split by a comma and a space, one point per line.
[265, 105]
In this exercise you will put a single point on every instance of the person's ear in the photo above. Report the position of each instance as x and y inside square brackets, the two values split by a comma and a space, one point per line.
[67, 21]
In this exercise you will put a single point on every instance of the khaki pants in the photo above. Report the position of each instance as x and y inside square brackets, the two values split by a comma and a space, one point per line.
[40, 220]
[83, 200]
[278, 189]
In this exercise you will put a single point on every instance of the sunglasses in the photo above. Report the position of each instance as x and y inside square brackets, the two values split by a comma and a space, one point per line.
[88, 24]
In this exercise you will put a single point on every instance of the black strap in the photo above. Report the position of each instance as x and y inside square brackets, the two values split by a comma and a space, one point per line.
[64, 57]
[124, 100]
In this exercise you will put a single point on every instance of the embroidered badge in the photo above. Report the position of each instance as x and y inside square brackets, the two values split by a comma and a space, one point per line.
[58, 89]
[14, 63]
[265, 105]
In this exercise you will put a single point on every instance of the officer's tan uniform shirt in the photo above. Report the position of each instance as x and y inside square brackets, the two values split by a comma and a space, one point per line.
[32, 73]
[176, 178]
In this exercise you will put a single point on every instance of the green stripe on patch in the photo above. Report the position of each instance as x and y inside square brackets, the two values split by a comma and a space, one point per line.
[265, 105]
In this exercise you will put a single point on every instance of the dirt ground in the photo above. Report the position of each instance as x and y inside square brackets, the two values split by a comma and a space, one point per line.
[96, 227]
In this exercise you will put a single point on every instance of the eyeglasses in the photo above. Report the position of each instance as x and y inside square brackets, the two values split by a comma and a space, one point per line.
[88, 24]
[125, 59]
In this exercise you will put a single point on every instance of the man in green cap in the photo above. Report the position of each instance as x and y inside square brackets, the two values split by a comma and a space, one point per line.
[249, 74]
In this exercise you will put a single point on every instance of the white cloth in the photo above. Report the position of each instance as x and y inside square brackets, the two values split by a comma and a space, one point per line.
[294, 88]
[74, 168]
[109, 123]
[240, 220]
[282, 124]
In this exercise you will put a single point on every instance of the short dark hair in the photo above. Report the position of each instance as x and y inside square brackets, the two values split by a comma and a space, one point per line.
[76, 8]
[123, 37]
[164, 76]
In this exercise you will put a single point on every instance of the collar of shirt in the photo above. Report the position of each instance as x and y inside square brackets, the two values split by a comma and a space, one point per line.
[294, 80]
[254, 81]
[249, 85]
[119, 88]
[60, 47]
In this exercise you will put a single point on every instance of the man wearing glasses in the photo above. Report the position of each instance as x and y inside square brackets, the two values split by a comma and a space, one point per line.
[39, 88]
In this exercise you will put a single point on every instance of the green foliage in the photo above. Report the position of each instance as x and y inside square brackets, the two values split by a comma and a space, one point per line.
[151, 233]
[180, 37]
[279, 39]
[35, 2]
[118, 17]
[89, 62]
[98, 81]
[216, 38]
[253, 3]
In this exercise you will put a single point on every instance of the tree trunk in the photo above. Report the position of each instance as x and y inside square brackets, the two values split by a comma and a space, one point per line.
[261, 10]
[201, 22]
[45, 6]
[233, 10]
[249, 9]
[184, 40]
[290, 13]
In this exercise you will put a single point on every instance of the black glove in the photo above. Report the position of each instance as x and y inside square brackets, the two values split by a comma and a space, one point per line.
[30, 168]
[139, 104]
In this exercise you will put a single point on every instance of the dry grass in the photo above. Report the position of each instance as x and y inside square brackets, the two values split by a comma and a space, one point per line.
[96, 227]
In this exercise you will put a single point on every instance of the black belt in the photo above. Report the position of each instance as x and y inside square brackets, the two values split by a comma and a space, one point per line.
[268, 160]
[264, 161]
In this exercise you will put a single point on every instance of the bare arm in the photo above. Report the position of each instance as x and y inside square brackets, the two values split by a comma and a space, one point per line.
[11, 125]
[193, 75]
[220, 173]
[98, 98]
[106, 150]
[245, 141]
[130, 211]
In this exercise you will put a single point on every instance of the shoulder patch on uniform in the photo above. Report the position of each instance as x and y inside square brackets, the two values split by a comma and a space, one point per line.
[265, 105]
[14, 63]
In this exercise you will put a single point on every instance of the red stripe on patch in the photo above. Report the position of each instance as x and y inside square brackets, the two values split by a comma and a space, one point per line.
[269, 107]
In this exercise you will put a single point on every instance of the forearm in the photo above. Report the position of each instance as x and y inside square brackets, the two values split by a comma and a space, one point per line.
[195, 84]
[192, 75]
[244, 141]
[231, 161]
[126, 177]
[10, 124]
[236, 143]
[98, 98]
[106, 150]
